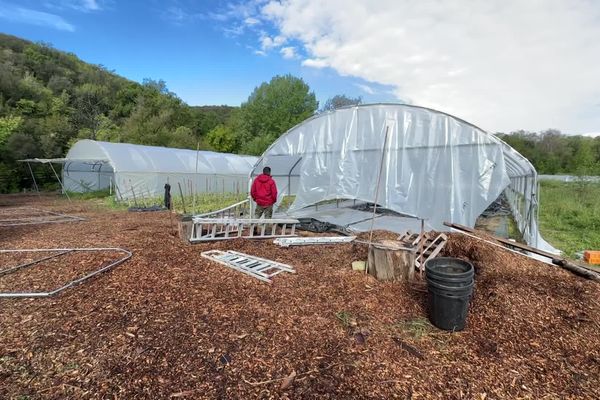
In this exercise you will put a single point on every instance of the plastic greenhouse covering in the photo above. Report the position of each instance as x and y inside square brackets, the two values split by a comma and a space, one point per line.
[136, 170]
[435, 166]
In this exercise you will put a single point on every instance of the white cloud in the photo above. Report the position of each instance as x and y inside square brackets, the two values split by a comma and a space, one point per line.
[246, 11]
[365, 88]
[288, 52]
[251, 21]
[267, 42]
[179, 15]
[91, 5]
[501, 64]
[260, 53]
[315, 63]
[79, 5]
[591, 134]
[13, 13]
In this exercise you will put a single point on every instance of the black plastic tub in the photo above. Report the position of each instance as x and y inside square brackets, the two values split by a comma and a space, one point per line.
[450, 286]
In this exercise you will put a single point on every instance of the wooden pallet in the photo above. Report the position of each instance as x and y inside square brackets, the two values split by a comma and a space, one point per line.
[432, 246]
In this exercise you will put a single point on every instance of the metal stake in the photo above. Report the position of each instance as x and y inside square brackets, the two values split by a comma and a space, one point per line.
[133, 192]
[377, 192]
[59, 181]
[182, 199]
[421, 244]
[37, 189]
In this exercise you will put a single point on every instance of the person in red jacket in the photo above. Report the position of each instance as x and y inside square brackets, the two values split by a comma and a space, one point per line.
[264, 193]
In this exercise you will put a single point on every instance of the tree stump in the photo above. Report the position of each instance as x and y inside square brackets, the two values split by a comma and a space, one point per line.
[390, 260]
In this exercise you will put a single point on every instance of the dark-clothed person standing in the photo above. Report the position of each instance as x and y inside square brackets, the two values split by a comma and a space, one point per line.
[264, 193]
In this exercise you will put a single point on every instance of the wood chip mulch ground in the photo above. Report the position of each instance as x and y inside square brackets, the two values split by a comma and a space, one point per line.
[170, 324]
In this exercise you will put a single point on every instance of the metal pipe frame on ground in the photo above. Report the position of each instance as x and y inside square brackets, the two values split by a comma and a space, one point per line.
[72, 283]
[39, 219]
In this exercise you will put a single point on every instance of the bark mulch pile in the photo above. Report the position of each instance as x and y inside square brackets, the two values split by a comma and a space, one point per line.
[170, 324]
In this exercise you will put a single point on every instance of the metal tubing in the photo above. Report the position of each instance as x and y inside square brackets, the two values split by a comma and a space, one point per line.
[182, 199]
[377, 191]
[72, 283]
[133, 192]
[37, 189]
[21, 266]
[59, 181]
[421, 244]
[43, 219]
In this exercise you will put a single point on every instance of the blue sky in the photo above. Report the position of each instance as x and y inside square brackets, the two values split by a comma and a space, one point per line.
[191, 48]
[503, 65]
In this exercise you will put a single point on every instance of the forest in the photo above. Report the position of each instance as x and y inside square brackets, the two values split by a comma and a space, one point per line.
[552, 152]
[49, 99]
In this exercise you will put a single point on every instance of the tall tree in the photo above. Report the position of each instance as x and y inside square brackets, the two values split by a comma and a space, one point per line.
[90, 105]
[339, 101]
[272, 109]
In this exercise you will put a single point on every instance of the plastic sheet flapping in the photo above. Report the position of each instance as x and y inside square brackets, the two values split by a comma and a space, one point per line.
[435, 166]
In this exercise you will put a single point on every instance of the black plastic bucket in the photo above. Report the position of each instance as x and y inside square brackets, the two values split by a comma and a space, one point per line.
[450, 286]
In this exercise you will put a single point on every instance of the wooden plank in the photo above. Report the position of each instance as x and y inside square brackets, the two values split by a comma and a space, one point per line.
[555, 259]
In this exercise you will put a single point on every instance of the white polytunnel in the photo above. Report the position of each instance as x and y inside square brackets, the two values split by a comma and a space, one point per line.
[435, 166]
[136, 170]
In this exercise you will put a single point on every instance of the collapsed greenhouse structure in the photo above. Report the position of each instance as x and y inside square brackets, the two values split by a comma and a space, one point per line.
[416, 162]
[130, 169]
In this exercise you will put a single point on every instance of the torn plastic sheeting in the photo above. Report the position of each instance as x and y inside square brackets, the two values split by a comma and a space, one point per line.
[435, 166]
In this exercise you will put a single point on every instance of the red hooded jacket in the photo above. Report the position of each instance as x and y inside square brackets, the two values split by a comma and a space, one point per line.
[264, 190]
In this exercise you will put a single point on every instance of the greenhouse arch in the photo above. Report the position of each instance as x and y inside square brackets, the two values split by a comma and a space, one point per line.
[144, 170]
[435, 166]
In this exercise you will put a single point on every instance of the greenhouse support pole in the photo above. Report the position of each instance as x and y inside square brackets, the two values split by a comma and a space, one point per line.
[133, 192]
[196, 177]
[118, 191]
[37, 189]
[182, 199]
[377, 192]
[421, 246]
[59, 181]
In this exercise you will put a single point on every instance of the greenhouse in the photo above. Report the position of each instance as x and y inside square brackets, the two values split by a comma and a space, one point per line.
[132, 170]
[414, 161]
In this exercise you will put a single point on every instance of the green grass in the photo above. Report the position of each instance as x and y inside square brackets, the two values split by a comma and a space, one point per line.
[346, 319]
[513, 230]
[414, 328]
[96, 194]
[570, 215]
[201, 203]
[286, 202]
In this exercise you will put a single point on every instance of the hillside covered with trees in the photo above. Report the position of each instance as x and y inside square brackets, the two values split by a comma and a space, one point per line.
[49, 99]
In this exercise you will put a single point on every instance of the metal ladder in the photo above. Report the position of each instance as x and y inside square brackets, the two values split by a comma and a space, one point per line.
[256, 267]
[307, 241]
[210, 229]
